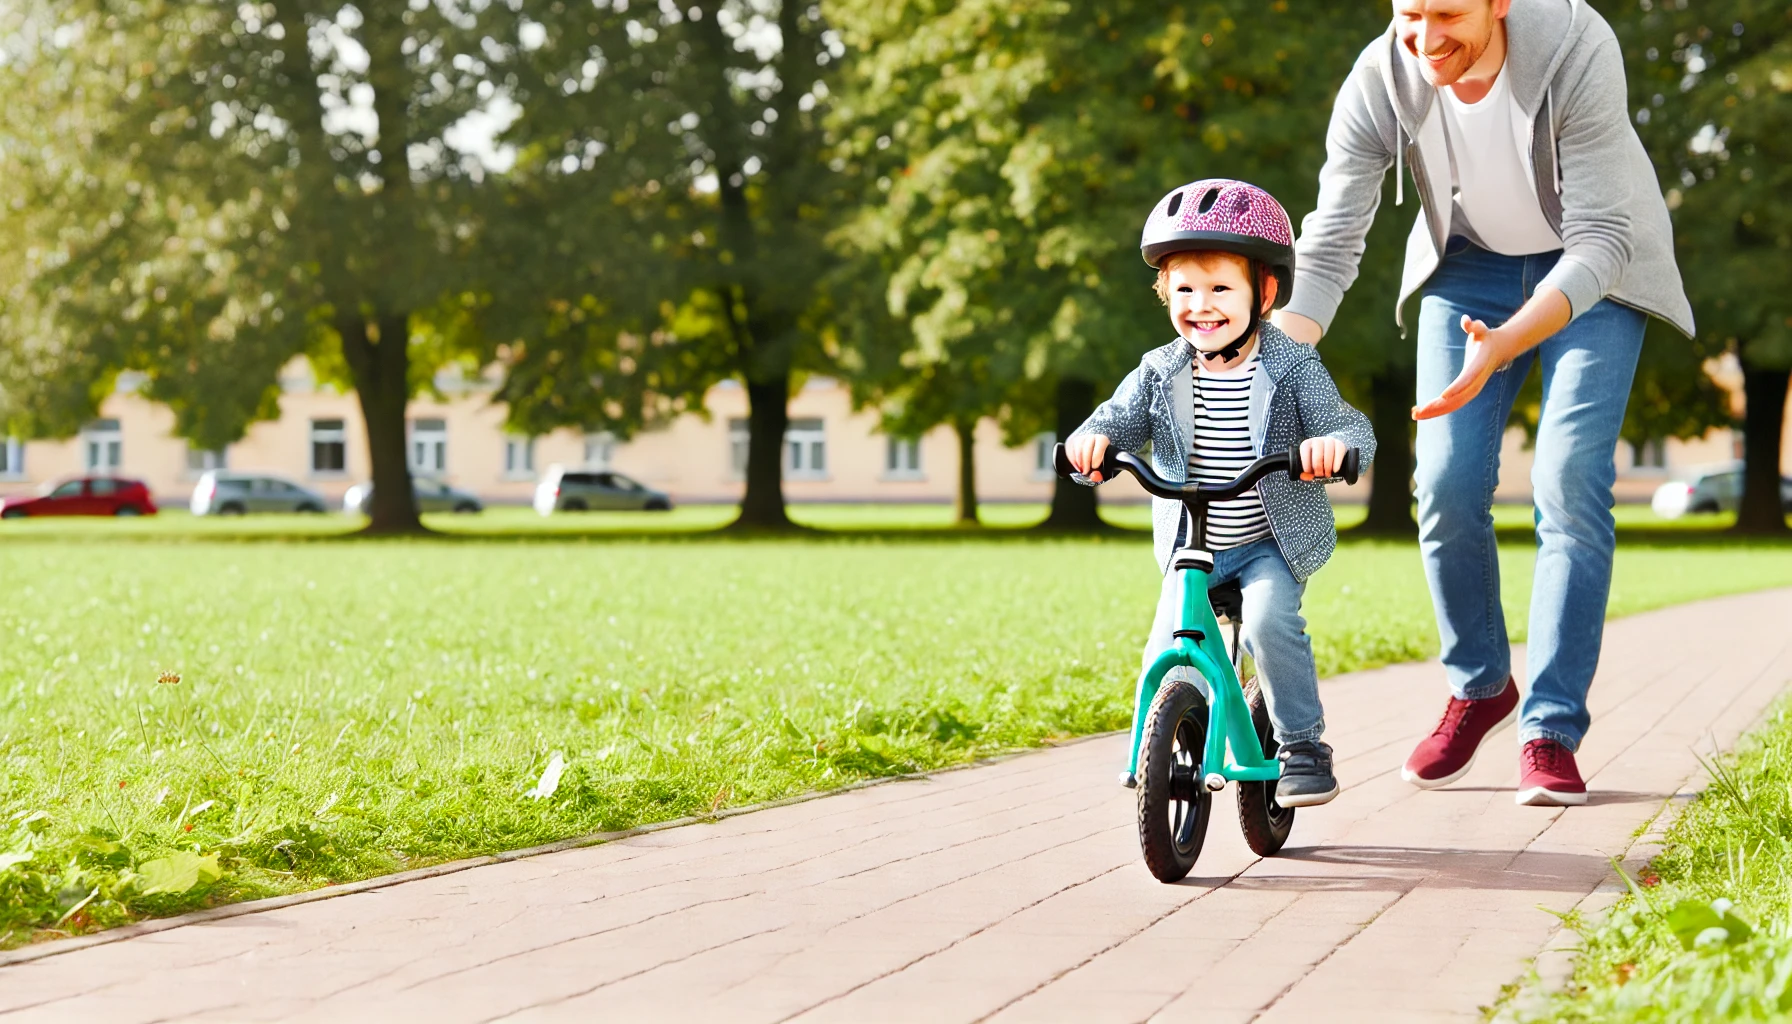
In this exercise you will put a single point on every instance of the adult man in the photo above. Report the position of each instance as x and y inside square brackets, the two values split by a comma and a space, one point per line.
[1540, 215]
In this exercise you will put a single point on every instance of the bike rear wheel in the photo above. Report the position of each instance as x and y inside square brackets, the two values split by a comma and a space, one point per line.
[1265, 823]
[1173, 804]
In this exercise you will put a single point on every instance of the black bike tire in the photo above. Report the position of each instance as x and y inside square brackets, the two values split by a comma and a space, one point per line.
[1179, 706]
[1265, 823]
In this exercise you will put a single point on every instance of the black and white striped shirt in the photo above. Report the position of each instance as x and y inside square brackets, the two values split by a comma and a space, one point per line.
[1222, 450]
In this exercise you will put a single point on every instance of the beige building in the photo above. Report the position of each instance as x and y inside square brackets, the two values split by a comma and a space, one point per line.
[832, 453]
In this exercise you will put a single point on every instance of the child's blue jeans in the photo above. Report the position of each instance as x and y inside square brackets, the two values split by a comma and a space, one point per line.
[1587, 370]
[1274, 633]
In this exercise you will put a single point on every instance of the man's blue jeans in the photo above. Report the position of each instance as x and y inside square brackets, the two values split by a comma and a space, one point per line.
[1587, 371]
[1274, 633]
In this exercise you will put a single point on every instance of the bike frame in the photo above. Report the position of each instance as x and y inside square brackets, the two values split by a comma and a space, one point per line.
[1200, 647]
[1232, 752]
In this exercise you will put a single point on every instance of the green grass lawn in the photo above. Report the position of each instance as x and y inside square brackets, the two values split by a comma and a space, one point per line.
[351, 708]
[520, 522]
[1707, 933]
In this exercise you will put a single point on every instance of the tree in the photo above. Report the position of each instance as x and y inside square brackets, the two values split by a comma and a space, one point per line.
[684, 151]
[1028, 144]
[1712, 84]
[1375, 363]
[268, 180]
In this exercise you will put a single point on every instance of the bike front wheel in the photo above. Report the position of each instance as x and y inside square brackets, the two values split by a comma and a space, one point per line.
[1173, 804]
[1265, 823]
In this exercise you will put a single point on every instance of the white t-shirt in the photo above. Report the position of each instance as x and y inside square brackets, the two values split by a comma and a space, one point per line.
[1495, 189]
[1222, 450]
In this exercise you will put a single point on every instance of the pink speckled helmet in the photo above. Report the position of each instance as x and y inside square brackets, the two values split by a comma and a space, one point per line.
[1228, 216]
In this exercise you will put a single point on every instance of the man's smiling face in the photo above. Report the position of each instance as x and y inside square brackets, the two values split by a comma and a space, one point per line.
[1210, 298]
[1447, 37]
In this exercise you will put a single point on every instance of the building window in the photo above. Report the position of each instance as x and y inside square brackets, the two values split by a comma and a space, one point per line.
[805, 449]
[429, 446]
[1651, 454]
[1042, 456]
[600, 449]
[519, 456]
[329, 446]
[12, 457]
[737, 446]
[902, 458]
[199, 460]
[102, 447]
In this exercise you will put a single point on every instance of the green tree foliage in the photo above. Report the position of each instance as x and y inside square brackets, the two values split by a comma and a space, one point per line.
[256, 182]
[1017, 150]
[675, 160]
[943, 380]
[1712, 88]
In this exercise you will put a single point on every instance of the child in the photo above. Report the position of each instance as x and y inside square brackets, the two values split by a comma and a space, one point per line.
[1231, 388]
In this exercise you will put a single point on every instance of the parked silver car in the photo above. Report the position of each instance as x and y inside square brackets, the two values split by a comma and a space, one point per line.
[576, 490]
[223, 493]
[1718, 488]
[432, 496]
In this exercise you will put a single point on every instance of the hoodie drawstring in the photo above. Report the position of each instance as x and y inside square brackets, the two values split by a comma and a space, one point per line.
[1400, 165]
[1555, 153]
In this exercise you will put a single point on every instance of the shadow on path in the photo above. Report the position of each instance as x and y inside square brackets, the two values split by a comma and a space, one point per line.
[1403, 868]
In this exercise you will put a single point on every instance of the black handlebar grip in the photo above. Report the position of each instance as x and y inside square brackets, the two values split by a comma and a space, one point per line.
[1109, 468]
[1061, 460]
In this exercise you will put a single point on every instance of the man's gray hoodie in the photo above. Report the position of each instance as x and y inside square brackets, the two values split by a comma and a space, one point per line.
[1592, 178]
[1292, 398]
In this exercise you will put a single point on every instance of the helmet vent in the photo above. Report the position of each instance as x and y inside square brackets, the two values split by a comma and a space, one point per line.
[1207, 200]
[1173, 205]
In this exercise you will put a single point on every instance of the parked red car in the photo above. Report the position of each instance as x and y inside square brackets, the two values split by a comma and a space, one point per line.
[85, 496]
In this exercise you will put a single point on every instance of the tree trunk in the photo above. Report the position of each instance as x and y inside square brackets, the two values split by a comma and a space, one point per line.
[1073, 505]
[1390, 488]
[378, 355]
[768, 416]
[1763, 423]
[964, 509]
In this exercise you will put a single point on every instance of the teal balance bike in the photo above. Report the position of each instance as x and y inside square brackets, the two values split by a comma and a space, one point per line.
[1187, 746]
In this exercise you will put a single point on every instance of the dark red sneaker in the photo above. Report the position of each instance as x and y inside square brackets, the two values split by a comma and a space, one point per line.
[1449, 752]
[1548, 776]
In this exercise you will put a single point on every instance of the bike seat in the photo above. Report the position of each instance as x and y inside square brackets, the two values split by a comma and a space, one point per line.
[1228, 601]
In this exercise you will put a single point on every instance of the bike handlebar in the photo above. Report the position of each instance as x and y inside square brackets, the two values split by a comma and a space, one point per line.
[1289, 462]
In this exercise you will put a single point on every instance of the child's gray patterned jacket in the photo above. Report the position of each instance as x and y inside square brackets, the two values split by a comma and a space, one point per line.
[1292, 398]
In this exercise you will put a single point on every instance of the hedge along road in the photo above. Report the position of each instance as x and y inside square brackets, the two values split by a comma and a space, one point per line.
[346, 710]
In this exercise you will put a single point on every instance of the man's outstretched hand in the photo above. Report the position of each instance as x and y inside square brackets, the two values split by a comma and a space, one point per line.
[1487, 350]
[1490, 348]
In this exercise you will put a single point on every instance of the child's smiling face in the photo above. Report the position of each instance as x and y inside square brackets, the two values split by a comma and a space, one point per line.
[1209, 295]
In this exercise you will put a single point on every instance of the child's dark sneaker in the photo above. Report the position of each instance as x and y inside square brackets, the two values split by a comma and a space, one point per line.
[1449, 752]
[1307, 779]
[1129, 780]
[1548, 776]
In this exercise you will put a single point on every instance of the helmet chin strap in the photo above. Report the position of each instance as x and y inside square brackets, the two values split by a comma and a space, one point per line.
[1230, 352]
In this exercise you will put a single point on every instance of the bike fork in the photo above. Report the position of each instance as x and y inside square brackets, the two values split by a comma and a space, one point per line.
[1197, 636]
